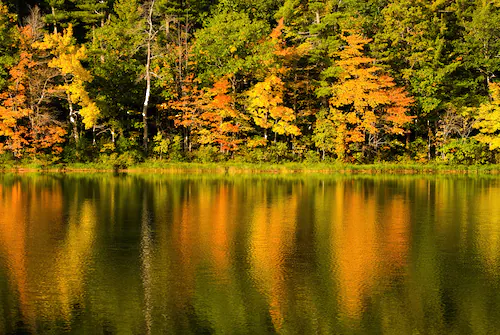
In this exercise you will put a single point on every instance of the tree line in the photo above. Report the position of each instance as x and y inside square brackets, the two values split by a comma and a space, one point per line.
[258, 81]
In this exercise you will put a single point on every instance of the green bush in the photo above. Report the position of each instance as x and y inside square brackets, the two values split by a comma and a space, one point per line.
[206, 154]
[175, 152]
[312, 157]
[6, 160]
[466, 152]
[278, 152]
[121, 161]
[418, 150]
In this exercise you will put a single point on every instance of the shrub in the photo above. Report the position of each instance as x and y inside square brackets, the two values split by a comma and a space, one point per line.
[121, 161]
[312, 157]
[175, 149]
[466, 151]
[206, 154]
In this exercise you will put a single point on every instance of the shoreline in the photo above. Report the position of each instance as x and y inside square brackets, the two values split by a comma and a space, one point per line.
[255, 168]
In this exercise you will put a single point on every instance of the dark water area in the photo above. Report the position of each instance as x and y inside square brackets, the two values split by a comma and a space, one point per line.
[201, 254]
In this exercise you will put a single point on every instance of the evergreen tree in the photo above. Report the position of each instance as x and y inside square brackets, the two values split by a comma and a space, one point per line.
[7, 43]
[59, 15]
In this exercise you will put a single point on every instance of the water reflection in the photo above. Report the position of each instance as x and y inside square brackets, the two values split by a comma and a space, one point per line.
[46, 258]
[249, 254]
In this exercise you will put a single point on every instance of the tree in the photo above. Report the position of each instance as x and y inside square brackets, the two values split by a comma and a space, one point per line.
[419, 41]
[481, 43]
[150, 35]
[324, 135]
[117, 62]
[224, 121]
[67, 58]
[91, 12]
[266, 99]
[27, 121]
[226, 46]
[208, 116]
[59, 15]
[488, 119]
[7, 43]
[255, 9]
[265, 105]
[365, 104]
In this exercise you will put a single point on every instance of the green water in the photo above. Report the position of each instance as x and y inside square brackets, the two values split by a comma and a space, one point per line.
[178, 254]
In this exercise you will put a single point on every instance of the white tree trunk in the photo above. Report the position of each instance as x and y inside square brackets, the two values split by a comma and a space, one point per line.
[148, 75]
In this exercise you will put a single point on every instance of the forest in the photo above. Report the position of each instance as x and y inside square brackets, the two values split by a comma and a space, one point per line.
[250, 81]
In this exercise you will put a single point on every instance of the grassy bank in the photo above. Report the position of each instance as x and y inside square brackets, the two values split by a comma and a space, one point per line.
[233, 167]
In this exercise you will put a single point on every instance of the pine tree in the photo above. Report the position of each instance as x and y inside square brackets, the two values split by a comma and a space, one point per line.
[7, 43]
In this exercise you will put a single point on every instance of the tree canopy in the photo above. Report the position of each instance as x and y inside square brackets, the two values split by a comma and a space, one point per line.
[266, 81]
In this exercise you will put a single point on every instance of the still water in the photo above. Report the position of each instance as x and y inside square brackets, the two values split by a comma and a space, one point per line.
[178, 254]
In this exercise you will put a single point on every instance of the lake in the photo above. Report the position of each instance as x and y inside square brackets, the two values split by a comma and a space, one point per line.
[249, 254]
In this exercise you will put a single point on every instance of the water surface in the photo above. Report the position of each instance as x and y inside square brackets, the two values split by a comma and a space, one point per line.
[178, 254]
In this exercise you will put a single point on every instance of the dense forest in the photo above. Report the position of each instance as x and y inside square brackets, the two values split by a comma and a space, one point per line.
[250, 80]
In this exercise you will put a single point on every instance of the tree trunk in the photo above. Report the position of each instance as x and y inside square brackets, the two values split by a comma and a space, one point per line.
[54, 18]
[429, 134]
[147, 77]
[179, 59]
[72, 119]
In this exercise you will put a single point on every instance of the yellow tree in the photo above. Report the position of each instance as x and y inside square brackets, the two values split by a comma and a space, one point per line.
[67, 58]
[365, 104]
[488, 119]
[265, 104]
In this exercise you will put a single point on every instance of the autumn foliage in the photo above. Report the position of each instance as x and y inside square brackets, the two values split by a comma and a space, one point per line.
[28, 125]
[351, 81]
[365, 104]
[208, 116]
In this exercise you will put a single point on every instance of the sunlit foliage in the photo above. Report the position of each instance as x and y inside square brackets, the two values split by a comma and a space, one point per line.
[358, 81]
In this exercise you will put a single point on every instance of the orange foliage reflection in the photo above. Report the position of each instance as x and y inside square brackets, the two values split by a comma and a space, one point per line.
[367, 244]
[47, 271]
[271, 239]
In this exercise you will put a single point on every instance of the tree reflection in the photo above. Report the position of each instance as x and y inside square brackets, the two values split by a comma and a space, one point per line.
[258, 254]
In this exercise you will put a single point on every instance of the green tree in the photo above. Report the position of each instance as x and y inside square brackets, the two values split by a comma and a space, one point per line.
[116, 64]
[59, 15]
[91, 13]
[481, 42]
[7, 43]
[325, 133]
[226, 46]
[418, 39]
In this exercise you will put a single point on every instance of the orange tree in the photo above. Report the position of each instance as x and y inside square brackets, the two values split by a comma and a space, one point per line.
[365, 106]
[27, 124]
[208, 116]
